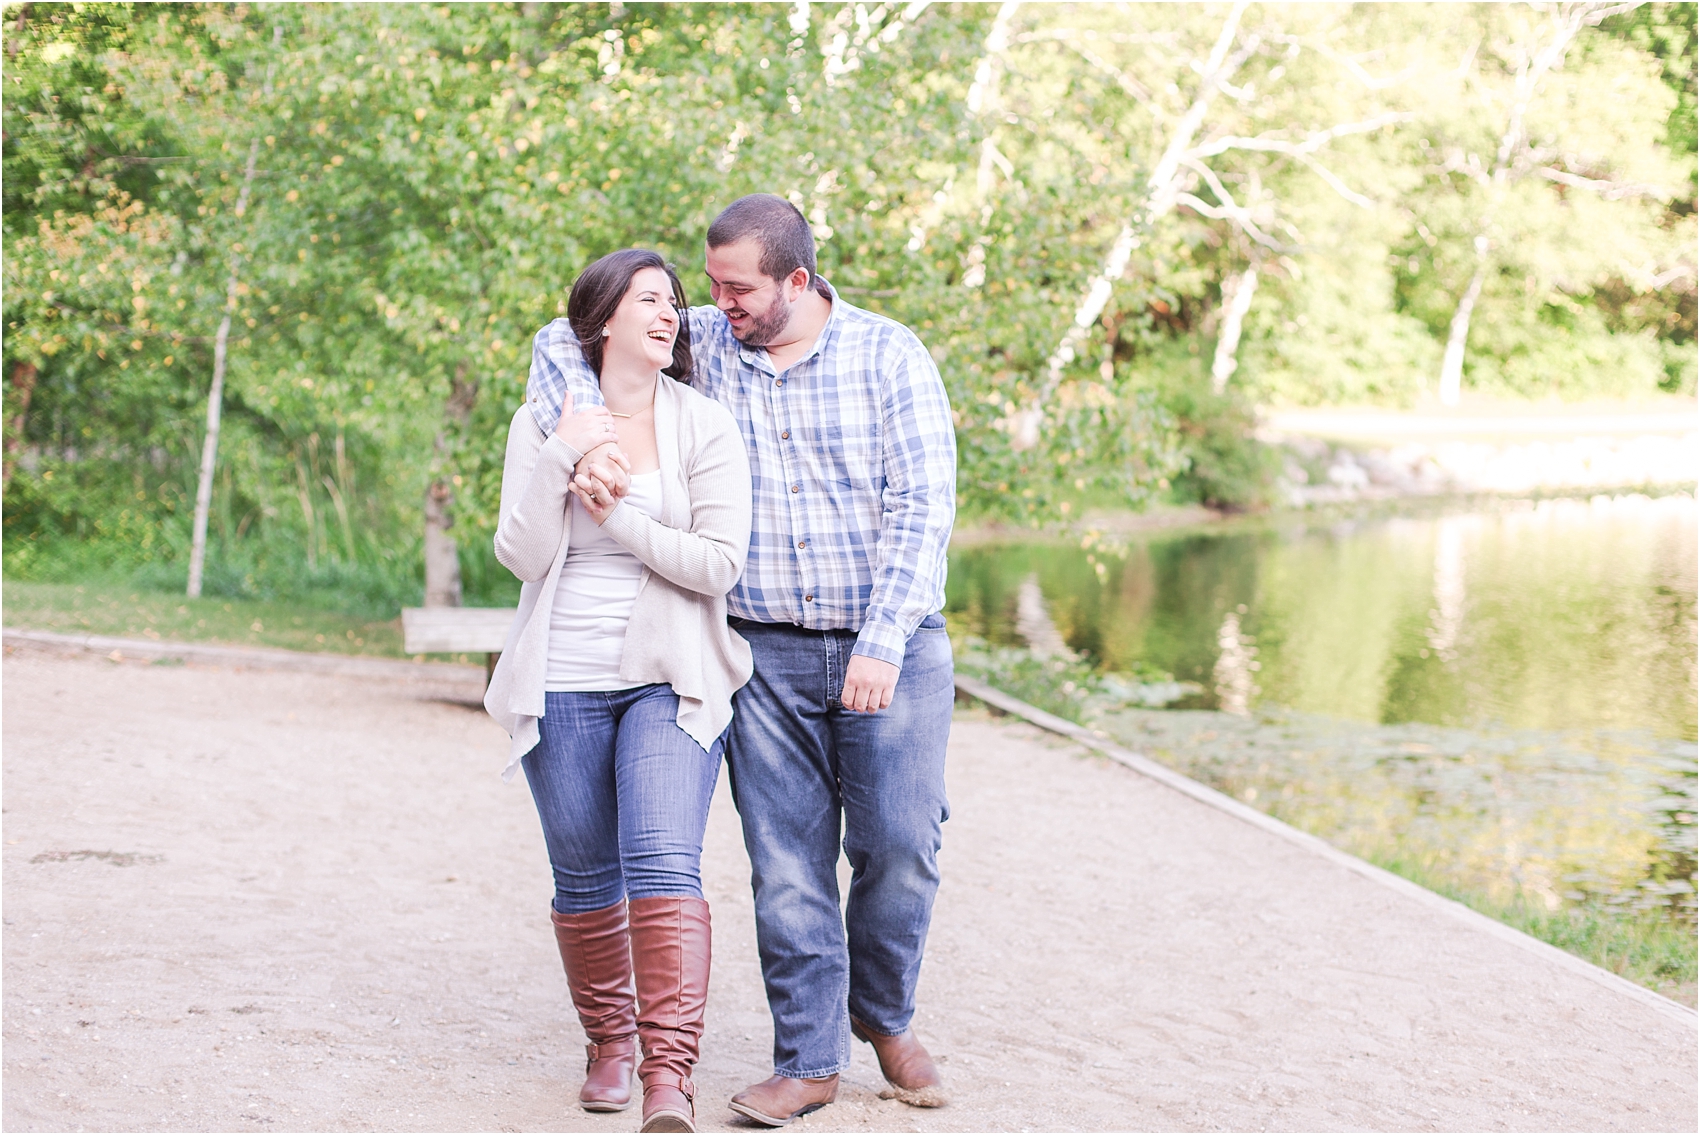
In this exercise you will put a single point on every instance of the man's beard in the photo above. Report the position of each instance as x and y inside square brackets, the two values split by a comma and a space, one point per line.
[767, 326]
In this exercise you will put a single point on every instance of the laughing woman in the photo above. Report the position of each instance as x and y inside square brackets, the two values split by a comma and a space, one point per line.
[617, 678]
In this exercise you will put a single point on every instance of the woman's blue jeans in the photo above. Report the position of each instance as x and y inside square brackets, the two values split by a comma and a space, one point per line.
[806, 773]
[623, 794]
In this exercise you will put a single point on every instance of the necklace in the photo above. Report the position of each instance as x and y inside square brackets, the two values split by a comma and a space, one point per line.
[619, 415]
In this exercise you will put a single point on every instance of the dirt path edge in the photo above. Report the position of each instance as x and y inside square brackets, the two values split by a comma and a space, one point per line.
[1204, 794]
[250, 657]
[467, 675]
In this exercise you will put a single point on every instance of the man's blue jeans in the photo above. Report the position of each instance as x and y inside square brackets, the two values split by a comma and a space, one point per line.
[623, 794]
[803, 769]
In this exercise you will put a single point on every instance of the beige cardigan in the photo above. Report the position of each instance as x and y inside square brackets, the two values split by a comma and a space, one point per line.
[691, 557]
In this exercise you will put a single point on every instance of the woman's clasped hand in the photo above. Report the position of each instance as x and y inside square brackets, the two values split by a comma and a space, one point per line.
[603, 474]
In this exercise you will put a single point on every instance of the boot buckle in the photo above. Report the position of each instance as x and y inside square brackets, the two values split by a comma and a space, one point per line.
[669, 1080]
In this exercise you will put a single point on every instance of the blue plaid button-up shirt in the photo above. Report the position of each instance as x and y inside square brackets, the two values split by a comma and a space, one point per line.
[853, 459]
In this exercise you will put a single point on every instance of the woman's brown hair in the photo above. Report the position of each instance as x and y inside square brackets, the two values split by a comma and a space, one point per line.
[598, 292]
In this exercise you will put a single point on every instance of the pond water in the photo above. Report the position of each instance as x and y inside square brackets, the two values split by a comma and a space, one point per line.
[1557, 614]
[1502, 699]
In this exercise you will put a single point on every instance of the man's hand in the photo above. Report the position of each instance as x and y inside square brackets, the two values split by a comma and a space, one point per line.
[868, 684]
[586, 429]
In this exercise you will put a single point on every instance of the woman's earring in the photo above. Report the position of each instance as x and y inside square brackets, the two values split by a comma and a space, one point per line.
[605, 333]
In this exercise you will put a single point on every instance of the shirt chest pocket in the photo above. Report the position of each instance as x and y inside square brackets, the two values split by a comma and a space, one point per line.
[846, 455]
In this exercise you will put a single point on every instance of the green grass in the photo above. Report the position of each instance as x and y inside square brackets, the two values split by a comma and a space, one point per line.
[112, 608]
[1650, 951]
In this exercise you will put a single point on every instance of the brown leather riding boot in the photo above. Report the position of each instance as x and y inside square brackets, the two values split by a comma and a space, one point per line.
[596, 951]
[671, 948]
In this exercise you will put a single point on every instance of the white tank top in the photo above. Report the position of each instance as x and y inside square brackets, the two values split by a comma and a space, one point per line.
[594, 597]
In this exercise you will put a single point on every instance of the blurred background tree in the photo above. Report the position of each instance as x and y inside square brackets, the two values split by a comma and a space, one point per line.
[1118, 229]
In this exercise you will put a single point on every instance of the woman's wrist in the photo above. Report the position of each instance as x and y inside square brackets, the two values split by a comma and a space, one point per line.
[571, 455]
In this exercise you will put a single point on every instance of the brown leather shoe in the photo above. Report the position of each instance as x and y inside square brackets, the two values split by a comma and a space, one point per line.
[780, 1099]
[596, 953]
[671, 951]
[913, 1077]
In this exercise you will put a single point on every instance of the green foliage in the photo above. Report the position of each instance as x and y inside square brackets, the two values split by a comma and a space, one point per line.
[1331, 332]
[1067, 688]
[1071, 688]
[1587, 228]
[1667, 32]
[429, 179]
[1226, 465]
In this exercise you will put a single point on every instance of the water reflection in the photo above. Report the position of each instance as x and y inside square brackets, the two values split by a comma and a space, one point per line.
[1549, 615]
[1033, 621]
[1448, 614]
[1234, 665]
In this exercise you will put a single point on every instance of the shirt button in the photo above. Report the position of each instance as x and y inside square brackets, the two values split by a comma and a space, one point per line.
[801, 543]
[785, 436]
[808, 598]
[796, 488]
[779, 382]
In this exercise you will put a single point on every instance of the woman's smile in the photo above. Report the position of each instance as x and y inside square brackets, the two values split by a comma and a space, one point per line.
[646, 324]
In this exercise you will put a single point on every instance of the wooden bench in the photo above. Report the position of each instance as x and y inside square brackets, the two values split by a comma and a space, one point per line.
[458, 630]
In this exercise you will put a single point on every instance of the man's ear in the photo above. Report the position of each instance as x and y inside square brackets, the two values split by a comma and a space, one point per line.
[797, 283]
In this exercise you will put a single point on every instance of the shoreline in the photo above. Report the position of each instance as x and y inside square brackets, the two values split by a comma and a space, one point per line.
[1372, 504]
[1351, 459]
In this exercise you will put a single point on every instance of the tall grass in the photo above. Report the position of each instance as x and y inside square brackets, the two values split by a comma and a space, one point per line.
[274, 569]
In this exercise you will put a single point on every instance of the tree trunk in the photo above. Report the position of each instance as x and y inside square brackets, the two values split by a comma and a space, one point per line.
[983, 93]
[209, 450]
[304, 494]
[23, 382]
[1452, 364]
[1236, 301]
[442, 557]
[1566, 22]
[215, 400]
[1024, 425]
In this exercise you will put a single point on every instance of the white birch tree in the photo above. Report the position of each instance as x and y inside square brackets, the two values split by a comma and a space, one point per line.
[1533, 52]
[215, 394]
[1184, 142]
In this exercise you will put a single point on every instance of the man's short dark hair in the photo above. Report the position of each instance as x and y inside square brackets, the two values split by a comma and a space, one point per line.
[775, 224]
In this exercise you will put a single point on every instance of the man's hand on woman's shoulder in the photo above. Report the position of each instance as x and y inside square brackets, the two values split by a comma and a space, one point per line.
[587, 428]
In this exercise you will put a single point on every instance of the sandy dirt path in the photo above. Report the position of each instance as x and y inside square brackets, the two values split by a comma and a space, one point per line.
[324, 911]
